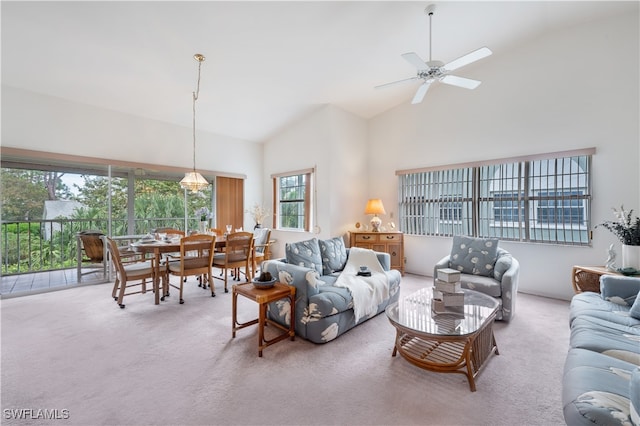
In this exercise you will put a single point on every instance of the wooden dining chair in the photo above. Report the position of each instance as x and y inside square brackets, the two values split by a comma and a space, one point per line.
[261, 247]
[131, 277]
[171, 233]
[238, 254]
[216, 231]
[196, 259]
[219, 234]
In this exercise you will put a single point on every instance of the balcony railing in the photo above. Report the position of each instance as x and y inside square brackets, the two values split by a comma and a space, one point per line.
[30, 246]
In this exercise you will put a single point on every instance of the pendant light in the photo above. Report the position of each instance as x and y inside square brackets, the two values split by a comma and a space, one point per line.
[193, 180]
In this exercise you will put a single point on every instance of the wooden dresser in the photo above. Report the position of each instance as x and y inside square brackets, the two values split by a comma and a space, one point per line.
[387, 242]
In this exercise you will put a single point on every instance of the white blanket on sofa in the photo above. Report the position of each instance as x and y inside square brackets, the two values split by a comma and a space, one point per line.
[367, 292]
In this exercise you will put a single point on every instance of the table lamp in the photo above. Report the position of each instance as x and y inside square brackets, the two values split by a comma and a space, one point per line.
[375, 207]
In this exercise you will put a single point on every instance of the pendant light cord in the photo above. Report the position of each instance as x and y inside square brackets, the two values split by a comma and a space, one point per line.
[195, 98]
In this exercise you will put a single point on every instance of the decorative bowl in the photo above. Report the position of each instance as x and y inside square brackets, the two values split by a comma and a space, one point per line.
[629, 271]
[263, 284]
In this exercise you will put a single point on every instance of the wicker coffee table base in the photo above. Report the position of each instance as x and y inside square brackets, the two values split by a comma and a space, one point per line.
[448, 354]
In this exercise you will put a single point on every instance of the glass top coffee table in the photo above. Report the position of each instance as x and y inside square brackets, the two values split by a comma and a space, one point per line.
[446, 342]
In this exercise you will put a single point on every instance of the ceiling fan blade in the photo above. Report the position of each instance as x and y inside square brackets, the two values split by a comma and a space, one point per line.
[476, 55]
[422, 90]
[465, 83]
[396, 82]
[416, 61]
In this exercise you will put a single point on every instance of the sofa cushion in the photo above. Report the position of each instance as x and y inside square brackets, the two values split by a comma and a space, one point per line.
[598, 335]
[635, 308]
[634, 396]
[305, 253]
[332, 300]
[475, 256]
[486, 285]
[593, 305]
[334, 255]
[595, 388]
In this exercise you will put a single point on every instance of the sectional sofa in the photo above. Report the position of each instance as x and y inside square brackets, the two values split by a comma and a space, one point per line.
[601, 382]
[323, 311]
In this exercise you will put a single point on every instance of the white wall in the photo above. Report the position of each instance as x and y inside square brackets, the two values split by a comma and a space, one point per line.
[572, 89]
[334, 142]
[44, 123]
[577, 88]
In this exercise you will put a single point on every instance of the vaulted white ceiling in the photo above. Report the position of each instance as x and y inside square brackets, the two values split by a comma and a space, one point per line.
[267, 63]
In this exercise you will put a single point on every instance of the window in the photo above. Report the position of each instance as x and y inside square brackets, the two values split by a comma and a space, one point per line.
[537, 199]
[292, 195]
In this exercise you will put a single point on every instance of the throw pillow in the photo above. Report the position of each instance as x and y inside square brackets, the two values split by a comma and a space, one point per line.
[334, 255]
[502, 264]
[635, 309]
[305, 253]
[476, 256]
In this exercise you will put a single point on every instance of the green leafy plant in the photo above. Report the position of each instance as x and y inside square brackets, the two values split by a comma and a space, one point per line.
[626, 228]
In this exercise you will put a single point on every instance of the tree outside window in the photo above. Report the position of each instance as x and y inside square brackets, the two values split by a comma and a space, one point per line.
[293, 200]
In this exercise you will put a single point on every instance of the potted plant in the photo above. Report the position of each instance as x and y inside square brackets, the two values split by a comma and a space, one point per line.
[627, 229]
[204, 214]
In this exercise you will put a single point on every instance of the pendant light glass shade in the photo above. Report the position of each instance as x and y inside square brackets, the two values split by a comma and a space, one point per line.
[193, 180]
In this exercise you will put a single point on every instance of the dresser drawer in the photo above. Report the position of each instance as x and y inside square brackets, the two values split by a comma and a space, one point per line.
[385, 242]
[390, 238]
[366, 238]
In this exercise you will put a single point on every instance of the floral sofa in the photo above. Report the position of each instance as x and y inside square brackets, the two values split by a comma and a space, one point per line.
[601, 382]
[323, 311]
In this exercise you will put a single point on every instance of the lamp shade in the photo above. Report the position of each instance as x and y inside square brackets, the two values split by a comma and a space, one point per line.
[193, 181]
[374, 206]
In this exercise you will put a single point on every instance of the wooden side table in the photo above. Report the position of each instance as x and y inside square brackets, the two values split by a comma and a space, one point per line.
[587, 278]
[263, 297]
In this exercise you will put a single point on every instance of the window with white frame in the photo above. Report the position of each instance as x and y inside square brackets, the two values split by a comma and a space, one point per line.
[293, 199]
[544, 198]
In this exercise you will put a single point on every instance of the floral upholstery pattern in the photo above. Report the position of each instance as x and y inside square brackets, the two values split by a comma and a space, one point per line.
[601, 382]
[334, 255]
[474, 256]
[323, 312]
[634, 397]
[502, 283]
[305, 253]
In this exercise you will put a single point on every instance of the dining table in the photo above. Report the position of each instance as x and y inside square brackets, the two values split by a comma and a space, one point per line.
[156, 248]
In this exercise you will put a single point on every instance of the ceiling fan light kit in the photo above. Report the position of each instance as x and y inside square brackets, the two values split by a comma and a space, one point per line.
[432, 71]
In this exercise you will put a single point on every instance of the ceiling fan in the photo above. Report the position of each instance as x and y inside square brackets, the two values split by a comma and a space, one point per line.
[432, 70]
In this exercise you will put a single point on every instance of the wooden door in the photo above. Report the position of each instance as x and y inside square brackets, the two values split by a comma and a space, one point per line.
[229, 202]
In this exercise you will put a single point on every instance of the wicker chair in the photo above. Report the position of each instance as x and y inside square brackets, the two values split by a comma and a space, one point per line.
[91, 253]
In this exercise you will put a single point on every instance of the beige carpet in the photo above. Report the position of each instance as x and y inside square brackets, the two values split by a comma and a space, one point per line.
[175, 364]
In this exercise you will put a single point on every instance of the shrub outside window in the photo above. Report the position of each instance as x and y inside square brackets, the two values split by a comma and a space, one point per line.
[292, 199]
